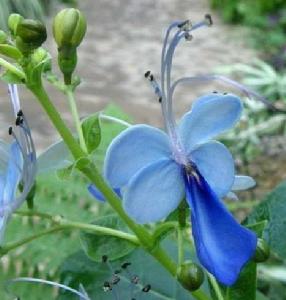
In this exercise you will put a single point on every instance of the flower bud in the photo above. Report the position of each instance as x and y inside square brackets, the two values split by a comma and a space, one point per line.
[41, 57]
[13, 21]
[262, 251]
[190, 275]
[3, 37]
[69, 28]
[32, 33]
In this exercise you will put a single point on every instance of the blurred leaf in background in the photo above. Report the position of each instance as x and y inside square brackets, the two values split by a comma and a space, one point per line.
[267, 21]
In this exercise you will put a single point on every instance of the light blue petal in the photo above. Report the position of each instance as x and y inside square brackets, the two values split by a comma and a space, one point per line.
[2, 186]
[132, 150]
[223, 246]
[216, 164]
[242, 182]
[55, 157]
[4, 156]
[13, 173]
[3, 223]
[209, 116]
[154, 192]
[232, 196]
[96, 193]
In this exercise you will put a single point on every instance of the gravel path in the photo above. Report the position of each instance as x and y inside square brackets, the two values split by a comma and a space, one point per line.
[123, 41]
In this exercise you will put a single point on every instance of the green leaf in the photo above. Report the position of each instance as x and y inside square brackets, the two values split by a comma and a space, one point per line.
[97, 245]
[65, 173]
[245, 287]
[10, 77]
[10, 51]
[80, 269]
[273, 209]
[91, 132]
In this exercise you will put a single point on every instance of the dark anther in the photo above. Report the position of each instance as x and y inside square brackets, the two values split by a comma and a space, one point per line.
[181, 25]
[151, 77]
[20, 113]
[160, 99]
[215, 92]
[146, 288]
[115, 279]
[135, 279]
[225, 93]
[10, 130]
[104, 258]
[19, 121]
[208, 17]
[125, 265]
[147, 74]
[117, 272]
[188, 36]
[107, 286]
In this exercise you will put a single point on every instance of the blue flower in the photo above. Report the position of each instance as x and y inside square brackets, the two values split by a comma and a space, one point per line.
[155, 170]
[18, 165]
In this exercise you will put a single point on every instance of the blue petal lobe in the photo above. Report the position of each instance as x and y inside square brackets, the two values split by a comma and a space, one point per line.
[96, 193]
[210, 115]
[154, 192]
[242, 182]
[132, 150]
[13, 173]
[223, 246]
[216, 165]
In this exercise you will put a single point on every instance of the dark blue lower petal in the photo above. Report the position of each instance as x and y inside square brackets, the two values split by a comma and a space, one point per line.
[95, 192]
[223, 246]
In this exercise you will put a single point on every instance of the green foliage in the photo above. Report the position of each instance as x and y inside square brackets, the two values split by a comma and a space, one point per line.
[42, 257]
[96, 245]
[267, 20]
[79, 269]
[91, 132]
[273, 210]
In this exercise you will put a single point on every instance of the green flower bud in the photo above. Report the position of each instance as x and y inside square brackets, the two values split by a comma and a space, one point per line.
[13, 21]
[41, 57]
[10, 51]
[190, 275]
[32, 32]
[3, 37]
[69, 28]
[262, 252]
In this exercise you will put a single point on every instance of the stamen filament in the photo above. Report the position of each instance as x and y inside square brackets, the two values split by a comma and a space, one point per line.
[51, 283]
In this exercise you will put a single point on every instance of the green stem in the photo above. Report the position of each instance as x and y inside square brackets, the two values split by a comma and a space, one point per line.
[216, 288]
[180, 246]
[12, 69]
[91, 172]
[180, 231]
[65, 224]
[76, 119]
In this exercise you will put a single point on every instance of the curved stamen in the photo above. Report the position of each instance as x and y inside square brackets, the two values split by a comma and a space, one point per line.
[83, 296]
[205, 78]
[13, 91]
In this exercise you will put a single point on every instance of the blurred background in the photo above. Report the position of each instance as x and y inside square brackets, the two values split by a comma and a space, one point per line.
[123, 41]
